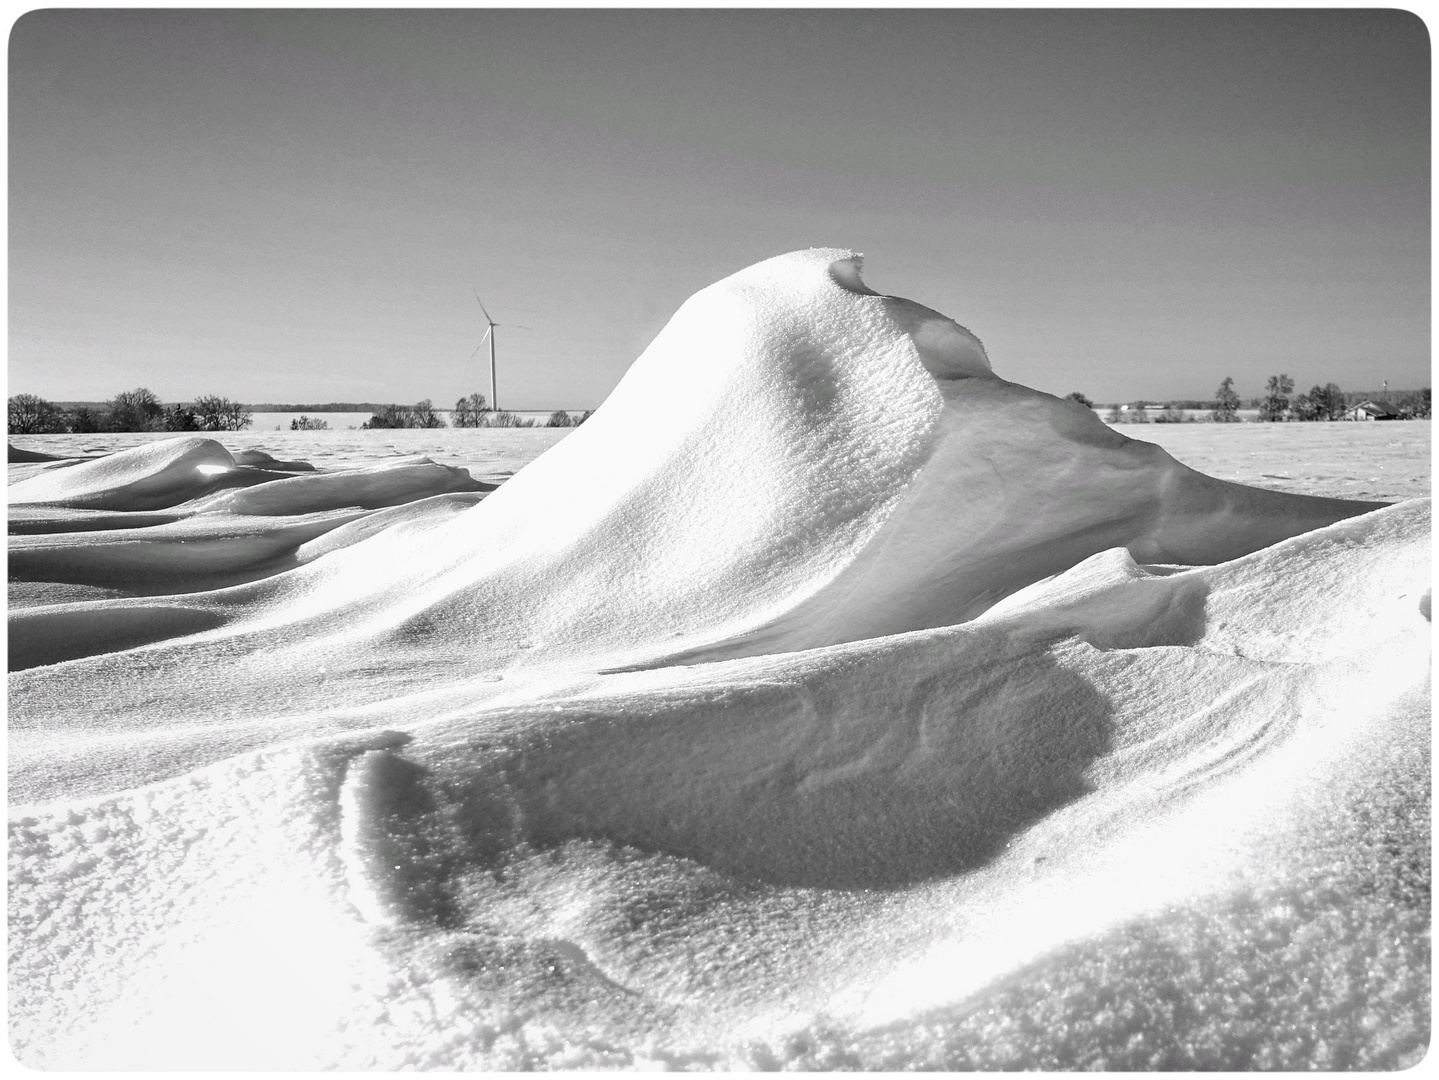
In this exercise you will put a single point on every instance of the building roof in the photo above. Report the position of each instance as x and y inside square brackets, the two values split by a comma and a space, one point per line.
[1372, 407]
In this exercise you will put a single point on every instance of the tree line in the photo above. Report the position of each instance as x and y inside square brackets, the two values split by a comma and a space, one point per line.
[129, 410]
[1327, 402]
[469, 412]
[141, 410]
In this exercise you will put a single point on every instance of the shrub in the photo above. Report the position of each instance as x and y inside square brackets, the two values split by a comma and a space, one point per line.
[306, 424]
[500, 418]
[86, 421]
[388, 416]
[420, 415]
[179, 418]
[559, 418]
[1080, 398]
[1414, 404]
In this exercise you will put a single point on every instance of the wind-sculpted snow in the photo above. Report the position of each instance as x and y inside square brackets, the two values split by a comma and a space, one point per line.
[823, 701]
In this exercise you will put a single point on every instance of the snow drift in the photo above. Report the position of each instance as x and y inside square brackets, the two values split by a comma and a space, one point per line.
[824, 700]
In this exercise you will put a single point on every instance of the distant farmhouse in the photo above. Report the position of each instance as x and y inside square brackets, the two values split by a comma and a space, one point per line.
[1369, 410]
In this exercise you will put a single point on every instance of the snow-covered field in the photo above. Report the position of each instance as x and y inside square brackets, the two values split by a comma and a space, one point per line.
[775, 727]
[1384, 461]
[490, 454]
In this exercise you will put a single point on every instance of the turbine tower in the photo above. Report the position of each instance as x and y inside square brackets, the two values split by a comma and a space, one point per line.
[490, 334]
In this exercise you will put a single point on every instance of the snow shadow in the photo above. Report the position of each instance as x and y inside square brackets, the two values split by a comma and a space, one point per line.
[52, 636]
[841, 784]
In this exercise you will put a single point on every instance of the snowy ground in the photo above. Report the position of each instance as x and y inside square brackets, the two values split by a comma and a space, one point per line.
[825, 701]
[491, 454]
[1379, 461]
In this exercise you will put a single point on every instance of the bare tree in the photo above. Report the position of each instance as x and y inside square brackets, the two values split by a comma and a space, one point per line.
[1328, 401]
[1226, 403]
[468, 411]
[31, 415]
[425, 415]
[136, 410]
[221, 414]
[1276, 397]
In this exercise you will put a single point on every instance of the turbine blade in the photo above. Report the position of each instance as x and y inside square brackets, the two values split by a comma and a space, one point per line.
[482, 341]
[517, 326]
[482, 308]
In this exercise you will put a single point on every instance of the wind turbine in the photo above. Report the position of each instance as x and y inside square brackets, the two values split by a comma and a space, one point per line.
[490, 334]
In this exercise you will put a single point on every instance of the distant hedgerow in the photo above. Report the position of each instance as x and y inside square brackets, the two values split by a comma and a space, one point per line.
[501, 418]
[419, 415]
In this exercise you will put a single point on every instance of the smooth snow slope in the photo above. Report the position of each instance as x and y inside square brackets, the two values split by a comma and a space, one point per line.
[824, 700]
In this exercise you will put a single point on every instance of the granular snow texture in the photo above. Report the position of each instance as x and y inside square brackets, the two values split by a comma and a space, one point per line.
[824, 701]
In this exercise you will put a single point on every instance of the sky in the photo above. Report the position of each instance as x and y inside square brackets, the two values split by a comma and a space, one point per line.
[299, 206]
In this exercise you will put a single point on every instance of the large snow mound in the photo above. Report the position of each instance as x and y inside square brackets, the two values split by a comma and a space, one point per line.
[825, 700]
